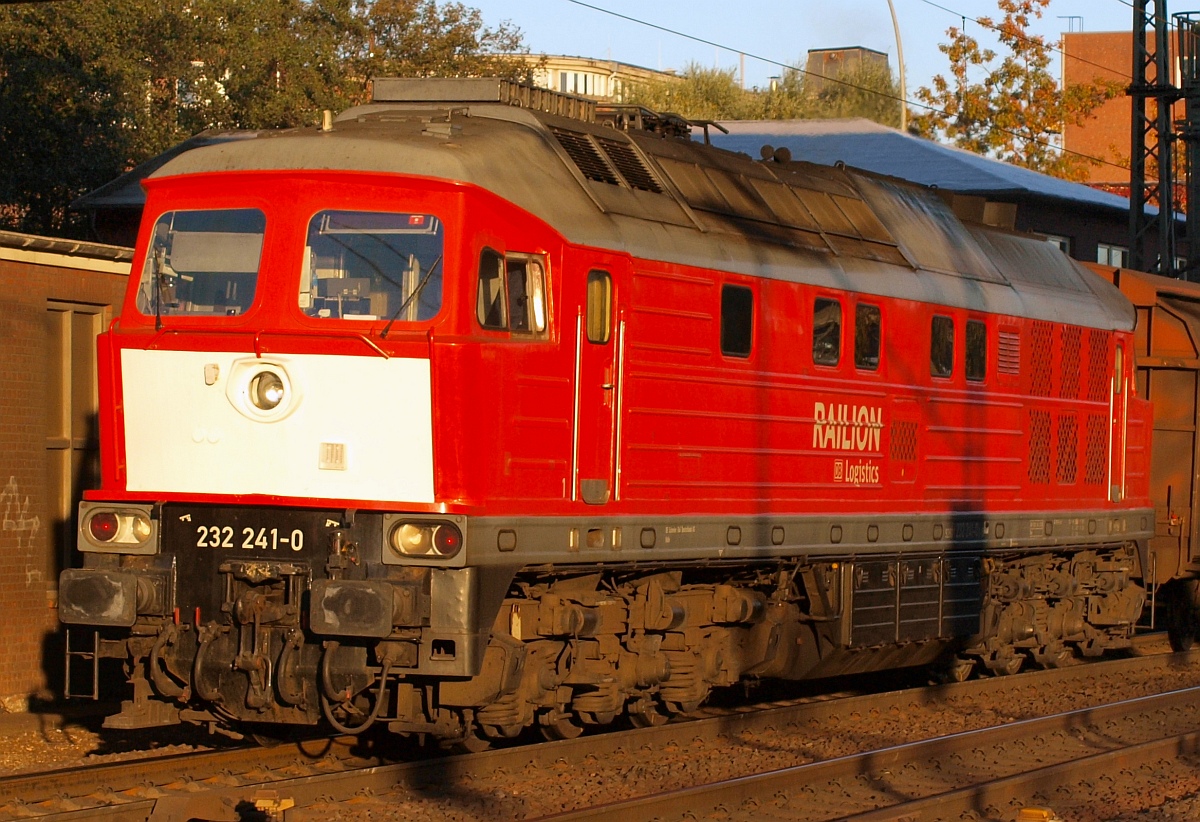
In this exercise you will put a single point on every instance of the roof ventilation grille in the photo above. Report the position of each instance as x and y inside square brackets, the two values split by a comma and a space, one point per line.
[629, 165]
[586, 156]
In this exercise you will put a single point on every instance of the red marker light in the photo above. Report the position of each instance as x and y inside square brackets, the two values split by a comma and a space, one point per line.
[447, 540]
[103, 526]
[416, 219]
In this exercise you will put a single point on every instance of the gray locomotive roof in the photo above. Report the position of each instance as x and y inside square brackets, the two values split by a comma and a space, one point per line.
[682, 202]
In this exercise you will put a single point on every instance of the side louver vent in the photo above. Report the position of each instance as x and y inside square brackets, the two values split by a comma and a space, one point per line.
[1039, 447]
[1068, 448]
[1010, 352]
[904, 440]
[586, 156]
[1040, 352]
[1097, 450]
[1098, 378]
[629, 164]
[1072, 342]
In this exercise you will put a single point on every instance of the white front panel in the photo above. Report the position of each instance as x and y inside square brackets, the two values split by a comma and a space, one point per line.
[348, 428]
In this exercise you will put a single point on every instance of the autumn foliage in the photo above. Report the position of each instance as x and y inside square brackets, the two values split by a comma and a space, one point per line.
[1010, 107]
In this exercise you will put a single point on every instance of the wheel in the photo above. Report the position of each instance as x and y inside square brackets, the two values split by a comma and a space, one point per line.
[1055, 656]
[1004, 663]
[956, 669]
[555, 725]
[646, 713]
[471, 742]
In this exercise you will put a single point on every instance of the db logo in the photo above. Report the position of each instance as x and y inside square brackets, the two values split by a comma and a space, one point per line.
[838, 469]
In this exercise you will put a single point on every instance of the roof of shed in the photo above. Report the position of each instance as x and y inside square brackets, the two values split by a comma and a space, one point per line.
[865, 144]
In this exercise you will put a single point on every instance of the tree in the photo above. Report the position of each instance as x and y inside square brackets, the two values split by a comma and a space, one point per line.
[82, 87]
[867, 90]
[714, 94]
[1012, 109]
[419, 38]
[698, 94]
[90, 89]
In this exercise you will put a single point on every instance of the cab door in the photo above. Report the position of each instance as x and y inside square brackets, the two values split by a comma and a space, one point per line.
[597, 386]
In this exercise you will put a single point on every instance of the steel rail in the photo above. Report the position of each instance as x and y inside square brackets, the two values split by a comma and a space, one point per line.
[182, 785]
[723, 797]
[995, 794]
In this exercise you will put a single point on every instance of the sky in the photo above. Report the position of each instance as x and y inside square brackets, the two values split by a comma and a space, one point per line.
[773, 30]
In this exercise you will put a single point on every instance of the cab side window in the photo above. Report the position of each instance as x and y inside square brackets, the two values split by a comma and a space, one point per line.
[976, 351]
[489, 304]
[737, 320]
[827, 331]
[512, 292]
[866, 337]
[599, 306]
[941, 346]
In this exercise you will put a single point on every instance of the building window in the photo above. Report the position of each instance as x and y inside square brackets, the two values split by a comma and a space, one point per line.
[1114, 255]
[737, 320]
[1063, 243]
[941, 347]
[976, 350]
[827, 331]
[866, 336]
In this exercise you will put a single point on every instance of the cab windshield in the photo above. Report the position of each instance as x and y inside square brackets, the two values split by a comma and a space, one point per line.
[202, 263]
[368, 265]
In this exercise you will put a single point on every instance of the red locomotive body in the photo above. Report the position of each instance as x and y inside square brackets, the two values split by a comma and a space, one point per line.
[464, 416]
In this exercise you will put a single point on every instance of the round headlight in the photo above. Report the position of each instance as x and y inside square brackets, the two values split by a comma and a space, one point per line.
[103, 526]
[266, 390]
[140, 527]
[411, 540]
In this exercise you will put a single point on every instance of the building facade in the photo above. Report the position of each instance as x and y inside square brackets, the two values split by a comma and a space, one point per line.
[1106, 134]
[58, 295]
[604, 80]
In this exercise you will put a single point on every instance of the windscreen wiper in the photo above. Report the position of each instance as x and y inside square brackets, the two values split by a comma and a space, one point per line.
[156, 268]
[408, 301]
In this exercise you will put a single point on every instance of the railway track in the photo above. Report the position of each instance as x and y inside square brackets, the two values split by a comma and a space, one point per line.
[228, 785]
[991, 772]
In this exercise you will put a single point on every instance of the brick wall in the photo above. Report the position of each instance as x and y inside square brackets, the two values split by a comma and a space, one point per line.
[32, 278]
[1106, 135]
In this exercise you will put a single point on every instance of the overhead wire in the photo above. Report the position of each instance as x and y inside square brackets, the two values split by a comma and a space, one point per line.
[838, 80]
[1027, 39]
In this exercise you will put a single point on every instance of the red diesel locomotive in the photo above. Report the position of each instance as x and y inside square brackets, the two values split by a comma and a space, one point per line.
[479, 408]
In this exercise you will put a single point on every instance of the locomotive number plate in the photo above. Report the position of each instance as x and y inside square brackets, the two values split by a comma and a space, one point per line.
[249, 539]
[266, 531]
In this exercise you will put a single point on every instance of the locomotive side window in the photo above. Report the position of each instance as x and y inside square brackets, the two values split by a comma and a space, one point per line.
[489, 302]
[976, 350]
[526, 294]
[202, 263]
[367, 265]
[827, 331]
[866, 336]
[599, 306]
[737, 320]
[512, 293]
[941, 347]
